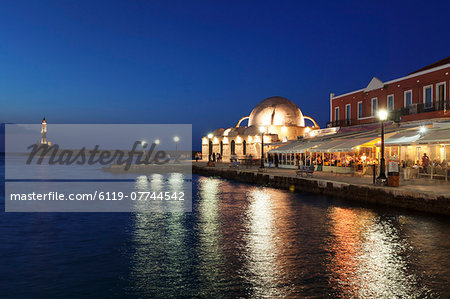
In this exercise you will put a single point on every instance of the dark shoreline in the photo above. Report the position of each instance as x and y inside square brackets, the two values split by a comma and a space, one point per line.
[366, 194]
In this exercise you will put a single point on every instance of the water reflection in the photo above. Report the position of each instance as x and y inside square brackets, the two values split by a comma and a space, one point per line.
[162, 193]
[247, 241]
[210, 253]
[368, 256]
[156, 181]
[261, 248]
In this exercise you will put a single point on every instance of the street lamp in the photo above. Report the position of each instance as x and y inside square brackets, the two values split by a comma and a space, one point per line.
[210, 136]
[262, 130]
[381, 179]
[157, 141]
[176, 139]
[422, 130]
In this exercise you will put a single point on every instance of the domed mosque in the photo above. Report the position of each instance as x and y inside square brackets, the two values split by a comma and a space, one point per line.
[276, 119]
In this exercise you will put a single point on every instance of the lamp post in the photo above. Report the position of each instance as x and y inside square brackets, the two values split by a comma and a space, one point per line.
[210, 136]
[381, 179]
[262, 130]
[176, 139]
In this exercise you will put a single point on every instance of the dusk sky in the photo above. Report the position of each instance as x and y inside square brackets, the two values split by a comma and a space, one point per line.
[205, 63]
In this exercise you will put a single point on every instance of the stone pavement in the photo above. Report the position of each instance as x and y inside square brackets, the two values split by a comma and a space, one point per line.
[437, 188]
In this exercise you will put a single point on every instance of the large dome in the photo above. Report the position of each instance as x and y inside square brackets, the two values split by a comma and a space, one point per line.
[276, 111]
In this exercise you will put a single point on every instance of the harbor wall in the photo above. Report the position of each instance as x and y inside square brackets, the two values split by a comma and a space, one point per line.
[385, 196]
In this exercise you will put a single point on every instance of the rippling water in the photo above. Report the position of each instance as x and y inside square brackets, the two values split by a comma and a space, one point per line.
[240, 240]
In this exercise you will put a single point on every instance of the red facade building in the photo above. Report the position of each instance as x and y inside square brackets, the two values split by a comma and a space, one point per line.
[423, 94]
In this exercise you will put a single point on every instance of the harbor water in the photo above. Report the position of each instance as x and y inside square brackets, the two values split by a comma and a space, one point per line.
[240, 241]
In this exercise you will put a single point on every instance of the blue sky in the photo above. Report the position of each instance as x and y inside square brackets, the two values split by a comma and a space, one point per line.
[207, 63]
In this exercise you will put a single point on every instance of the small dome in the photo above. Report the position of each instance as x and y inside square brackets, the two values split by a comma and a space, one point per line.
[252, 131]
[276, 111]
[218, 132]
[236, 131]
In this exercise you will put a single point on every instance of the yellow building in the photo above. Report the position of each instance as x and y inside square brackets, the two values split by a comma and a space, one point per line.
[276, 119]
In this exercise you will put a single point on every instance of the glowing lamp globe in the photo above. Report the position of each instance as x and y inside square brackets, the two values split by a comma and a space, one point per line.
[382, 114]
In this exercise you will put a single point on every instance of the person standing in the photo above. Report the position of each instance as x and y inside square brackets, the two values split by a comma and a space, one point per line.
[425, 162]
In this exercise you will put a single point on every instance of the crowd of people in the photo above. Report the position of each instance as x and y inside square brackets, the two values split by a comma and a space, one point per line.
[342, 160]
[357, 161]
[424, 163]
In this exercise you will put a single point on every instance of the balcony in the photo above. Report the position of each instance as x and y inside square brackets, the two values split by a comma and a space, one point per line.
[396, 115]
[425, 107]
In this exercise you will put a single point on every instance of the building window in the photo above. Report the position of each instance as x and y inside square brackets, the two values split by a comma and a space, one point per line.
[428, 95]
[221, 148]
[440, 95]
[244, 148]
[374, 106]
[233, 147]
[347, 113]
[390, 102]
[360, 110]
[408, 98]
[336, 113]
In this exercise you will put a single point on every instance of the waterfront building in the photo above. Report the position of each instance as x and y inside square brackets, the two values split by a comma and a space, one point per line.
[275, 121]
[420, 95]
[417, 132]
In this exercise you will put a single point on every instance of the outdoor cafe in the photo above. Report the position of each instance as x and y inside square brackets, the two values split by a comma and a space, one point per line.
[416, 153]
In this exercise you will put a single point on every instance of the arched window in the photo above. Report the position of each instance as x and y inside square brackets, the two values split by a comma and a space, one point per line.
[233, 147]
[244, 147]
[221, 148]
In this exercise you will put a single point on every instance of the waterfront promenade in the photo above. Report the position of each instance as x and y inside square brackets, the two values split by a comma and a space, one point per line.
[416, 194]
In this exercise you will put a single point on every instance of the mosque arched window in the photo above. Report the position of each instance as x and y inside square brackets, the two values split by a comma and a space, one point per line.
[244, 148]
[233, 147]
[221, 148]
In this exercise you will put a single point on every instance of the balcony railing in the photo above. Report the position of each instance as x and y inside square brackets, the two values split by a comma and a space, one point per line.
[425, 107]
[396, 115]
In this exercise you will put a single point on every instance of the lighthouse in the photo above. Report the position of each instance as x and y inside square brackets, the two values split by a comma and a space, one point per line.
[44, 131]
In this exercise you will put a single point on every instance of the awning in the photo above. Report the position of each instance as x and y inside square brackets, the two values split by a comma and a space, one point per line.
[436, 136]
[351, 144]
[403, 138]
[327, 145]
[284, 149]
[304, 146]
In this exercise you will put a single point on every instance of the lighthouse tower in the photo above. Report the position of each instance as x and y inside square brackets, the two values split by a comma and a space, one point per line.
[44, 131]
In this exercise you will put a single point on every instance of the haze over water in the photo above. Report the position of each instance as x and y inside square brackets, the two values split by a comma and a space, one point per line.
[240, 240]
